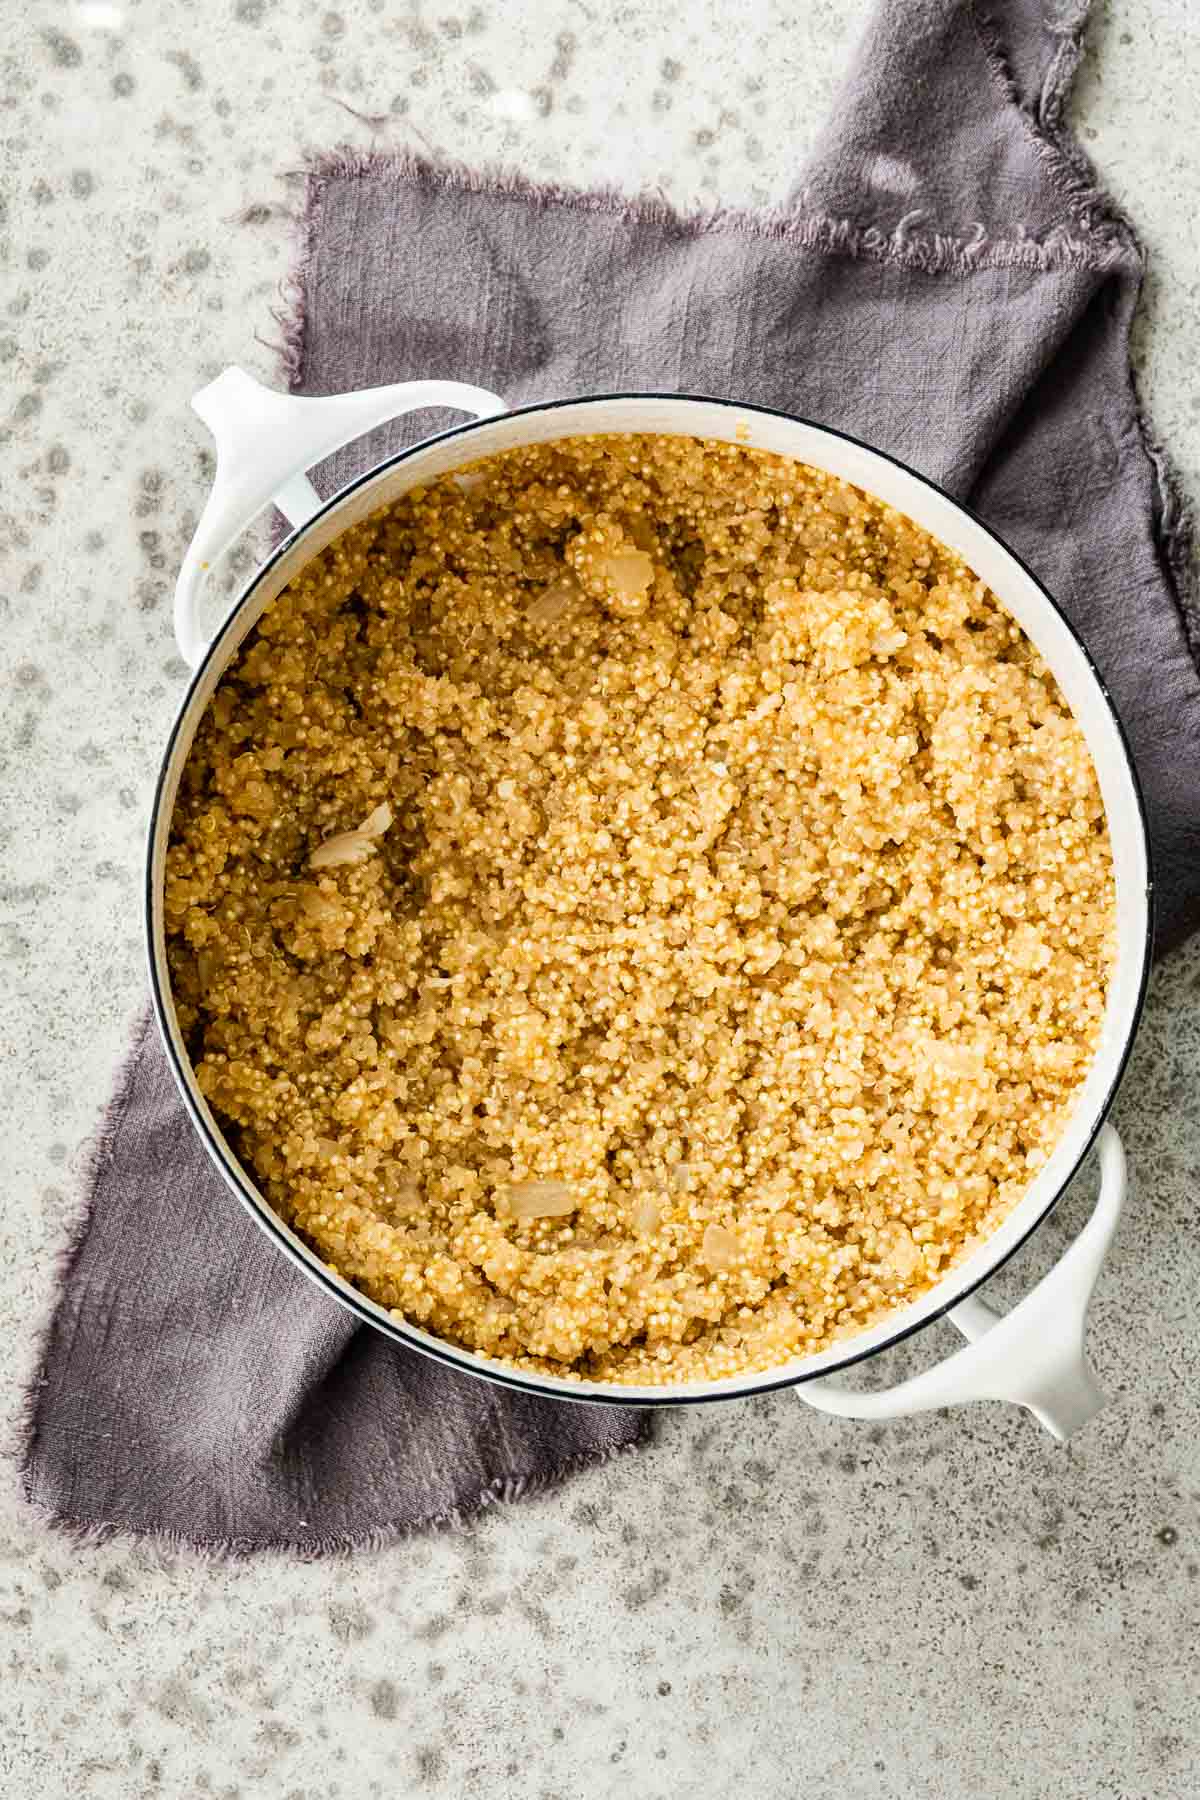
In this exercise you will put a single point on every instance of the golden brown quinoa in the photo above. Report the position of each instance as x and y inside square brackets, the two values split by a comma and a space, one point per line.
[735, 899]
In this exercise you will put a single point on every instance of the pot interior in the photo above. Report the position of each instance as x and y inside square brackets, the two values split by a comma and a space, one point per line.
[1018, 592]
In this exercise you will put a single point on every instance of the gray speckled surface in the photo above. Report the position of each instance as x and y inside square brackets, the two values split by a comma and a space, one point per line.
[766, 1602]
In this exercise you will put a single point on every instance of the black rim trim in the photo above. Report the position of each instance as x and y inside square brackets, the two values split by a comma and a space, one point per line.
[307, 1260]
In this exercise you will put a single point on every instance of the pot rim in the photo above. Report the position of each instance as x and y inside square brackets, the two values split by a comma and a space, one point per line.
[414, 1337]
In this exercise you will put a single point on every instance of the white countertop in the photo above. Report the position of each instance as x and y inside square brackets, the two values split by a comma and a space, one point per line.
[767, 1603]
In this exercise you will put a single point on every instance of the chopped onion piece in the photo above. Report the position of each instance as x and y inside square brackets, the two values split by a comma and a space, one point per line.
[554, 602]
[400, 1200]
[629, 574]
[540, 1200]
[647, 1215]
[681, 1178]
[719, 1248]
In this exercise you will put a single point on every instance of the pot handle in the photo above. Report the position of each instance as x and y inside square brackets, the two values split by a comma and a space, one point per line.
[1032, 1356]
[265, 442]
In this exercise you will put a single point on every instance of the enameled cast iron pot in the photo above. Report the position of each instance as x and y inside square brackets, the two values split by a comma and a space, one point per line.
[265, 443]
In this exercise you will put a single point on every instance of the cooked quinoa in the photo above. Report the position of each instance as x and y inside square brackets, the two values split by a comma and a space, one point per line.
[641, 911]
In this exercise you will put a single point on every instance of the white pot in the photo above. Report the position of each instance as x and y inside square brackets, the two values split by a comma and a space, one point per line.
[266, 441]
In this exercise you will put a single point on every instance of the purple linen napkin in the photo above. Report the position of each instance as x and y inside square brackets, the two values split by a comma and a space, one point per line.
[947, 283]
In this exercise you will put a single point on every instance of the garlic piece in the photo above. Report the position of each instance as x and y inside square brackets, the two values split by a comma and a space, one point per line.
[350, 847]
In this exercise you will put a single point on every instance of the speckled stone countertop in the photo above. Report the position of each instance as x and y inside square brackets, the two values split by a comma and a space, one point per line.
[766, 1603]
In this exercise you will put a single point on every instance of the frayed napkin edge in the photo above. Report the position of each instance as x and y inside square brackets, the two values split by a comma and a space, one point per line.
[501, 1491]
[91, 1160]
